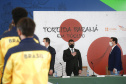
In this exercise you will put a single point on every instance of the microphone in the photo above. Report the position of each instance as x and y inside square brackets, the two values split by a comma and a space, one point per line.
[62, 69]
[96, 61]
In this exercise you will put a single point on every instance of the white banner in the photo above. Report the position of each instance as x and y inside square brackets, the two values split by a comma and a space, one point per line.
[85, 28]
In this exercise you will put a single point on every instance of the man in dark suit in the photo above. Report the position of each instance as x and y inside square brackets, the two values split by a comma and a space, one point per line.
[73, 60]
[46, 42]
[114, 61]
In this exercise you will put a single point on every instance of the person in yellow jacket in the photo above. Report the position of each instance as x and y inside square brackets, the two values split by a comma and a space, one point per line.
[11, 38]
[29, 62]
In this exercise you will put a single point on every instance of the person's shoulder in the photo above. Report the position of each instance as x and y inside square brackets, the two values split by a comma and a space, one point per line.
[35, 36]
[13, 50]
[77, 49]
[20, 48]
[4, 35]
[117, 48]
[10, 53]
[9, 34]
[51, 48]
[1, 36]
[41, 47]
[66, 49]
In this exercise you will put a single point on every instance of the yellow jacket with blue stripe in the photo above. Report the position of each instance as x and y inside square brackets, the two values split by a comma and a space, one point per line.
[7, 41]
[27, 63]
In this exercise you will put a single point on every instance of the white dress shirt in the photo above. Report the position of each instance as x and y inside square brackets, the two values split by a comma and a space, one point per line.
[47, 46]
[71, 49]
[112, 48]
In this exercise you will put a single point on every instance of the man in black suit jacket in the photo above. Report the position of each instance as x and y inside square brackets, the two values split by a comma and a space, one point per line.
[53, 53]
[114, 61]
[73, 60]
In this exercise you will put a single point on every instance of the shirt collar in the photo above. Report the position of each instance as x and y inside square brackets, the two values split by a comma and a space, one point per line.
[71, 49]
[27, 40]
[113, 47]
[47, 46]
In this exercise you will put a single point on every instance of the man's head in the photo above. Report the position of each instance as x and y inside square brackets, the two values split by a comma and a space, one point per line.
[46, 41]
[113, 41]
[71, 43]
[18, 13]
[26, 27]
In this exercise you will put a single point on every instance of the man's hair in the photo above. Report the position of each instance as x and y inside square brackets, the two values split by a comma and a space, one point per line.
[47, 40]
[71, 40]
[114, 39]
[18, 13]
[27, 26]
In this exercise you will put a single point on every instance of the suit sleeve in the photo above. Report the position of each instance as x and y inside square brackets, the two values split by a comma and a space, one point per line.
[65, 57]
[80, 60]
[53, 53]
[1, 62]
[7, 75]
[117, 58]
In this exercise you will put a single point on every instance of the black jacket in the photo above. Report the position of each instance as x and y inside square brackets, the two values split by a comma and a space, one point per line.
[114, 60]
[72, 61]
[53, 53]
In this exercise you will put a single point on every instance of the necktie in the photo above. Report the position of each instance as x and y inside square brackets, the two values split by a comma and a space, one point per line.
[72, 50]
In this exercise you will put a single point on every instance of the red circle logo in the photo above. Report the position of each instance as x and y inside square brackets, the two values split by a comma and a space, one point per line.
[124, 64]
[98, 54]
[71, 29]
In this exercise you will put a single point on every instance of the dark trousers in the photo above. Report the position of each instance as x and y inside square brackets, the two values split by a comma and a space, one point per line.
[74, 70]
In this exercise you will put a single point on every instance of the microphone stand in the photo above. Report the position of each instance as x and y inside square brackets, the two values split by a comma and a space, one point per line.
[99, 59]
[62, 69]
[93, 69]
[123, 73]
[123, 68]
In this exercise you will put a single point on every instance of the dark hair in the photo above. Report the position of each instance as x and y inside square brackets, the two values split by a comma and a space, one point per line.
[47, 40]
[71, 40]
[114, 39]
[27, 26]
[18, 13]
